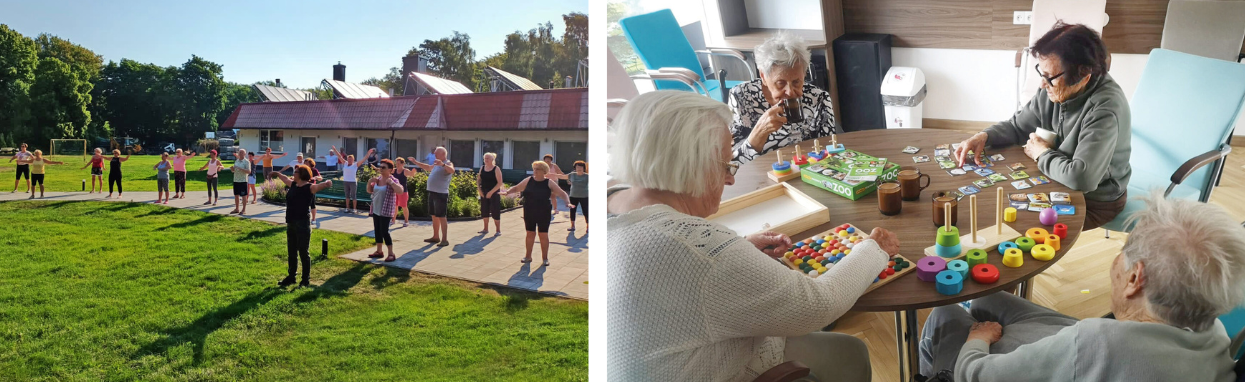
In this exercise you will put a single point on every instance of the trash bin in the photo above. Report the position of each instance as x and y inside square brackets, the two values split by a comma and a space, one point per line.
[903, 90]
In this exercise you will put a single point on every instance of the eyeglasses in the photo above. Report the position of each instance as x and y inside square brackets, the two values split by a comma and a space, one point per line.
[731, 167]
[1049, 80]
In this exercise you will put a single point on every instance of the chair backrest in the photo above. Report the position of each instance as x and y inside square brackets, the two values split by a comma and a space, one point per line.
[1184, 106]
[618, 84]
[1214, 29]
[660, 43]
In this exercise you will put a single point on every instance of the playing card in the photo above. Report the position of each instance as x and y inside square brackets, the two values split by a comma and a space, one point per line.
[983, 183]
[984, 171]
[942, 152]
[969, 190]
[958, 195]
[1039, 180]
[1018, 175]
[814, 168]
[956, 172]
[1038, 198]
[946, 165]
[997, 178]
[1020, 184]
[955, 146]
[1038, 207]
[942, 146]
[1020, 206]
[969, 167]
[1060, 198]
[1065, 209]
[997, 158]
[911, 150]
[1018, 197]
[920, 158]
[1016, 166]
[985, 162]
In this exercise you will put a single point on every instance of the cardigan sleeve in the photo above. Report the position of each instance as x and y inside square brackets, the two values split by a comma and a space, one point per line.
[751, 294]
[1049, 359]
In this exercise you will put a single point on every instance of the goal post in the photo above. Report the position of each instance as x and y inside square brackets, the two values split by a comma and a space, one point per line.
[68, 148]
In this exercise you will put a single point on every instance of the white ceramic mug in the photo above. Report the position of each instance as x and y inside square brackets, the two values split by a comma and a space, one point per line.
[1047, 135]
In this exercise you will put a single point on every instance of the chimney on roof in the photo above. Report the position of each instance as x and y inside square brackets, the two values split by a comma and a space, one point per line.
[339, 72]
[551, 84]
[278, 82]
[568, 82]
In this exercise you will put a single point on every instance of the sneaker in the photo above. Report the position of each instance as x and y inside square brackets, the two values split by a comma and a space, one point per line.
[285, 282]
[304, 284]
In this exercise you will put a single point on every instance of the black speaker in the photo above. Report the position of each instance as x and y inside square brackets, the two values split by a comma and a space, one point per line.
[860, 61]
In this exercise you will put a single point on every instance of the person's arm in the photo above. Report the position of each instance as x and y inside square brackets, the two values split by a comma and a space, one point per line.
[1095, 146]
[205, 166]
[285, 179]
[243, 169]
[448, 167]
[371, 185]
[127, 157]
[479, 189]
[422, 165]
[558, 193]
[518, 188]
[754, 295]
[192, 154]
[280, 156]
[1049, 359]
[321, 186]
[49, 161]
[558, 176]
[397, 188]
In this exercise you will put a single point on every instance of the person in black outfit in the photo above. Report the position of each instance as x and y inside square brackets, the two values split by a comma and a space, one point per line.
[298, 202]
[537, 191]
[489, 186]
[114, 171]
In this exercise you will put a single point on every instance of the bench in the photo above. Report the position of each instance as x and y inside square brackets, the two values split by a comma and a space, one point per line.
[8, 151]
[338, 192]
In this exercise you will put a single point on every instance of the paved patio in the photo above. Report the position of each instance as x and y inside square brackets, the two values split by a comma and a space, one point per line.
[472, 256]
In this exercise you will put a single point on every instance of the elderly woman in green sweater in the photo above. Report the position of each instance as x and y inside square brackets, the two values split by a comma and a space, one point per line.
[1088, 114]
[1182, 267]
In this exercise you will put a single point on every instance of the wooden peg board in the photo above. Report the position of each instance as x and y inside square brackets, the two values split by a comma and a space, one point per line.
[858, 233]
[987, 239]
[795, 173]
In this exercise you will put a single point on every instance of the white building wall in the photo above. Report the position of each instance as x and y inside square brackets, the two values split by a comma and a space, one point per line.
[428, 141]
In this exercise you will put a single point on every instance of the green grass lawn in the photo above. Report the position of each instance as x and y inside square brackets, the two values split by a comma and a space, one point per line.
[93, 291]
[137, 174]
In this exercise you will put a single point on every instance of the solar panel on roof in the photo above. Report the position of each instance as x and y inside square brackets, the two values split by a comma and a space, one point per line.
[514, 81]
[276, 94]
[355, 91]
[438, 85]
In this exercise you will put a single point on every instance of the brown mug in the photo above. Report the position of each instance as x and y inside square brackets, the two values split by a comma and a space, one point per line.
[941, 198]
[889, 202]
[910, 182]
[791, 107]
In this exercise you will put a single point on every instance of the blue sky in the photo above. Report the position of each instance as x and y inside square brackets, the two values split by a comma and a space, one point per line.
[296, 41]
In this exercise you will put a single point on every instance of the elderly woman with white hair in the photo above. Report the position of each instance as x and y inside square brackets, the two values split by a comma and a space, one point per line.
[1182, 266]
[760, 124]
[691, 300]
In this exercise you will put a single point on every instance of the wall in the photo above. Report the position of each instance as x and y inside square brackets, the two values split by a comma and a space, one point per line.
[980, 85]
[428, 140]
[784, 14]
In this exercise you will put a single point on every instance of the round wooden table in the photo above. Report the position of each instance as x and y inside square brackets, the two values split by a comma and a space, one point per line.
[914, 224]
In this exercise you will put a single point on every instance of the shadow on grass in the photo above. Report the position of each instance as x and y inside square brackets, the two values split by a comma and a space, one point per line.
[393, 275]
[514, 300]
[162, 211]
[203, 220]
[255, 235]
[196, 333]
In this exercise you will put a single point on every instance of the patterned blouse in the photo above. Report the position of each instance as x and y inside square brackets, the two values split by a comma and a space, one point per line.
[748, 103]
[385, 199]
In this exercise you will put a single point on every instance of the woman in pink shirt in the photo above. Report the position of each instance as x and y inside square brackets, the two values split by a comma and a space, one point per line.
[213, 168]
[179, 174]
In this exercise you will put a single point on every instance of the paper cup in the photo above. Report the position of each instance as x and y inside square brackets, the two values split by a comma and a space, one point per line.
[1047, 135]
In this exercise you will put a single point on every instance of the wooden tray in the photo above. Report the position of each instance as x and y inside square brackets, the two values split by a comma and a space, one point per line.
[876, 284]
[783, 208]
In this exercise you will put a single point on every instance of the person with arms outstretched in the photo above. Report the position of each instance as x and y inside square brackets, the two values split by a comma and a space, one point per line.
[298, 204]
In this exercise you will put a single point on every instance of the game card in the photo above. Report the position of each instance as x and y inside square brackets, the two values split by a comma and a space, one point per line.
[1021, 185]
[942, 152]
[1018, 175]
[1020, 206]
[1038, 207]
[1065, 209]
[997, 178]
[958, 195]
[1038, 198]
[1016, 166]
[956, 172]
[1018, 197]
[983, 183]
[984, 171]
[920, 158]
[942, 146]
[969, 190]
[1039, 180]
[946, 165]
[969, 167]
[997, 158]
[911, 150]
[1060, 198]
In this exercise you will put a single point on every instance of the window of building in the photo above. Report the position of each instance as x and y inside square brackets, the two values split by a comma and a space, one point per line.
[271, 138]
[308, 148]
[566, 153]
[381, 145]
[406, 148]
[463, 153]
[350, 146]
[524, 153]
[495, 147]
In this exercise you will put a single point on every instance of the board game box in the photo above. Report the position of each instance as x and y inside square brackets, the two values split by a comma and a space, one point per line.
[832, 173]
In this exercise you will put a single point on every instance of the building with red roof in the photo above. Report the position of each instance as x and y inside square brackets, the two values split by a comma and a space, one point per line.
[520, 127]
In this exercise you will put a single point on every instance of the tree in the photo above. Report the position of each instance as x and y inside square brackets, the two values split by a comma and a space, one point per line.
[202, 90]
[18, 60]
[137, 99]
[235, 94]
[80, 59]
[574, 44]
[450, 58]
[58, 101]
[392, 80]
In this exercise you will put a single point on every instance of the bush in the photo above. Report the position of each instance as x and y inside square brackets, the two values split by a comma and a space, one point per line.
[273, 191]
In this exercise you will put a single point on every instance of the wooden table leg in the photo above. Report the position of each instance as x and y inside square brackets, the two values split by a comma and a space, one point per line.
[907, 339]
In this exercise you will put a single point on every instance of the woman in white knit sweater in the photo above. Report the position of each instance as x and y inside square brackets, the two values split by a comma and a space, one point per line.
[691, 300]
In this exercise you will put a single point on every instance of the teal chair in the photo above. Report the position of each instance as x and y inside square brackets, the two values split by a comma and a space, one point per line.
[1183, 112]
[659, 42]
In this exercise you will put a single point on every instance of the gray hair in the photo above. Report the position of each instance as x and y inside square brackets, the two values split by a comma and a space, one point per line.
[783, 50]
[669, 140]
[1194, 255]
